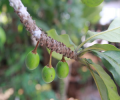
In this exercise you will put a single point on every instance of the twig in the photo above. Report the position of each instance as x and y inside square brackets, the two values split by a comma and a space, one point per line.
[38, 34]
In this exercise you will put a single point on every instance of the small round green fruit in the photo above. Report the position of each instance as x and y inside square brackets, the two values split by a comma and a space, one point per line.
[62, 69]
[48, 74]
[32, 60]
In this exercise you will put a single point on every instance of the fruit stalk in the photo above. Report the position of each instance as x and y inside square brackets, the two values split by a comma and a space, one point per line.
[38, 34]
[63, 59]
[50, 66]
[35, 50]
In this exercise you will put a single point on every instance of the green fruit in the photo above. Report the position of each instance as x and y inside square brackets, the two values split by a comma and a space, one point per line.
[32, 60]
[62, 69]
[48, 74]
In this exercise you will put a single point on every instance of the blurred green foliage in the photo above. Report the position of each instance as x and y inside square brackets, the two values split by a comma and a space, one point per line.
[66, 16]
[85, 73]
[92, 3]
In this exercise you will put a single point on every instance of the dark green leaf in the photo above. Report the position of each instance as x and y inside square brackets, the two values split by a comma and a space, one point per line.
[111, 65]
[110, 85]
[115, 55]
[100, 85]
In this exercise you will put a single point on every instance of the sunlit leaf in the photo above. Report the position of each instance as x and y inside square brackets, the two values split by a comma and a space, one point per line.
[103, 47]
[111, 35]
[92, 13]
[92, 3]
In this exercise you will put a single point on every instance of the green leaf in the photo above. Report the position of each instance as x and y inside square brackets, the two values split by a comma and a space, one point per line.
[92, 14]
[64, 38]
[111, 35]
[110, 85]
[104, 47]
[99, 47]
[2, 36]
[111, 65]
[92, 3]
[115, 55]
[100, 85]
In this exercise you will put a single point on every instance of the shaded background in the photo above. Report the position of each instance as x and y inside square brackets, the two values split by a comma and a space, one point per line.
[67, 17]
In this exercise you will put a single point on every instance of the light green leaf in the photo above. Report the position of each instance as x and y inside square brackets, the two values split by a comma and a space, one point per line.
[99, 47]
[64, 38]
[92, 13]
[92, 3]
[111, 65]
[110, 85]
[104, 47]
[100, 85]
[111, 35]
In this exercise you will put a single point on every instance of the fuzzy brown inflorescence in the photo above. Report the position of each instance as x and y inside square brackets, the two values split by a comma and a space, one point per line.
[45, 40]
[57, 46]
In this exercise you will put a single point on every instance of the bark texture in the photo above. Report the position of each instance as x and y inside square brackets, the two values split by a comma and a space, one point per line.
[38, 34]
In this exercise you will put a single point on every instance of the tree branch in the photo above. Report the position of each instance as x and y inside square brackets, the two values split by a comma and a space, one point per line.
[38, 34]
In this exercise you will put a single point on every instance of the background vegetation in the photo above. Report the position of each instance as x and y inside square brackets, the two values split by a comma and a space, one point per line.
[66, 16]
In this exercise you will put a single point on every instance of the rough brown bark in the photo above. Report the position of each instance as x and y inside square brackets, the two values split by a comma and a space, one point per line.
[38, 34]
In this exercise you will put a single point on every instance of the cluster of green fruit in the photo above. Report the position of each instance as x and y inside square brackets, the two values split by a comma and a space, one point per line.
[48, 72]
